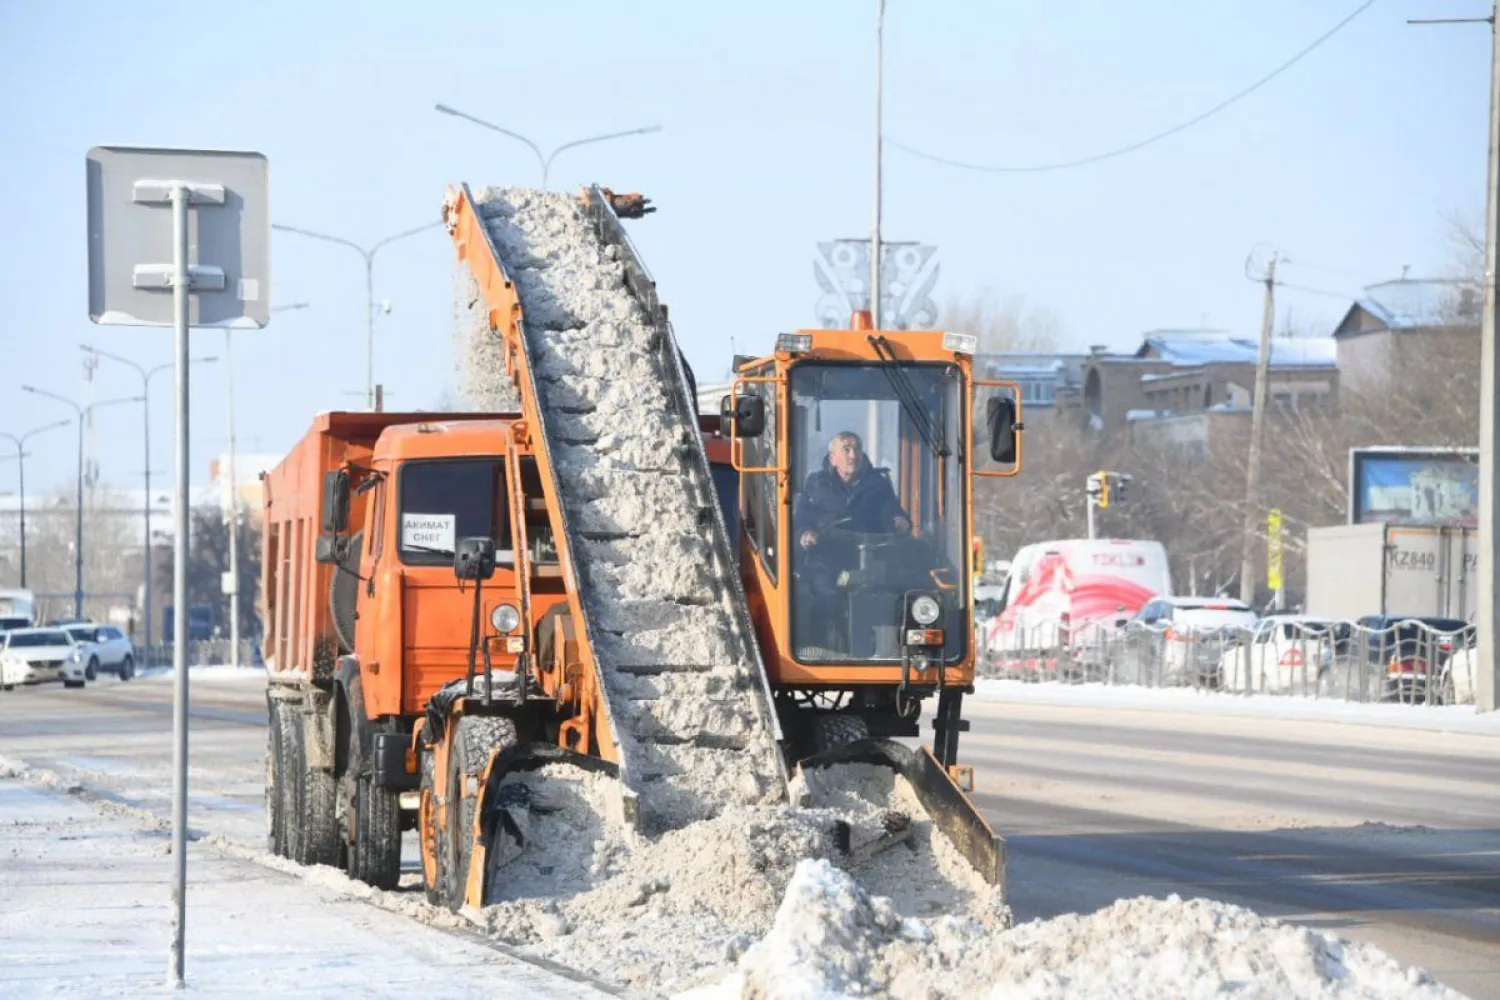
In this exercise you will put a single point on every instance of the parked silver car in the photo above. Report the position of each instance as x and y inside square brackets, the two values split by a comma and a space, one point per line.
[104, 647]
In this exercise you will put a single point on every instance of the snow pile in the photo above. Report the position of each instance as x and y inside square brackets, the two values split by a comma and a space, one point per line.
[664, 914]
[832, 939]
[479, 352]
[681, 680]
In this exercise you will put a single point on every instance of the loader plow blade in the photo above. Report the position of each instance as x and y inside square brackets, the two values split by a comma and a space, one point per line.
[952, 811]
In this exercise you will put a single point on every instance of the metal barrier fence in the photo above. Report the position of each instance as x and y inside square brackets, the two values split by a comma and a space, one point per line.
[1406, 661]
[202, 652]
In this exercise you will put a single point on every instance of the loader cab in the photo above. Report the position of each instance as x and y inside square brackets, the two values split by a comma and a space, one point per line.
[857, 453]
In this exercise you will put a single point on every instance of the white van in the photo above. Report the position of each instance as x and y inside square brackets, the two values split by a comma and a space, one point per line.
[1072, 592]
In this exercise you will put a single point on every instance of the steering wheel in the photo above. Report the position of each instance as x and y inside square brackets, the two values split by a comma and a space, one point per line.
[869, 541]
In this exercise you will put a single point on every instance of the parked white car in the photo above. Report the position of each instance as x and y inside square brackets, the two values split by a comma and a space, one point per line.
[1283, 654]
[106, 648]
[38, 655]
[1185, 638]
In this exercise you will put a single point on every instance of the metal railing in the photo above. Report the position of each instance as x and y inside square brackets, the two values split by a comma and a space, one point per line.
[202, 652]
[1403, 661]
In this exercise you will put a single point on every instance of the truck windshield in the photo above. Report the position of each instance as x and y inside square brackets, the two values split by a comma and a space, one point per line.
[448, 499]
[879, 508]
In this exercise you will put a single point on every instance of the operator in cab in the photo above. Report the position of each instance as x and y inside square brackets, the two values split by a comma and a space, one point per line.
[844, 498]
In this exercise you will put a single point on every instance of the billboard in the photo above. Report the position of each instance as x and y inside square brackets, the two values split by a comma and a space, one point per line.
[1415, 486]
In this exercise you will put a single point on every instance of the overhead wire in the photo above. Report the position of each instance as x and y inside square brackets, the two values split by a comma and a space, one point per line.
[1142, 143]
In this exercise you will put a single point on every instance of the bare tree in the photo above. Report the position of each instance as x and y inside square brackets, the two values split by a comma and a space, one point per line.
[1002, 323]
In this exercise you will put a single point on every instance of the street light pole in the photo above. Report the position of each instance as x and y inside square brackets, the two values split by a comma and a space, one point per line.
[368, 253]
[879, 127]
[82, 411]
[545, 160]
[146, 376]
[20, 443]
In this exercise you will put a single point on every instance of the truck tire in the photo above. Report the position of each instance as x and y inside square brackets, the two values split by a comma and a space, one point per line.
[275, 822]
[475, 738]
[832, 730]
[371, 814]
[289, 767]
[320, 822]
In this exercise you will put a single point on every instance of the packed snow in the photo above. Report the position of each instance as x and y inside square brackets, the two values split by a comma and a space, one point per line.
[831, 939]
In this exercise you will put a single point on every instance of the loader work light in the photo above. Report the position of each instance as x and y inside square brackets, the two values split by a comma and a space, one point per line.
[794, 343]
[961, 343]
[505, 618]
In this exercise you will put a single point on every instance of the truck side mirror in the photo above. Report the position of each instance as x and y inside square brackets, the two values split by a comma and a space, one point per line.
[746, 415]
[336, 501]
[474, 558]
[1005, 433]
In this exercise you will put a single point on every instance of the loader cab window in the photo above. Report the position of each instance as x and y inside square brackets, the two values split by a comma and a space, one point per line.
[444, 500]
[879, 507]
[758, 489]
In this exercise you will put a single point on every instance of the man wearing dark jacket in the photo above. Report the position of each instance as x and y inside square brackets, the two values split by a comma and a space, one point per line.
[846, 493]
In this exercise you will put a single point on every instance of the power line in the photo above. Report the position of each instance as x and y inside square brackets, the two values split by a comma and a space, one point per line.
[1317, 291]
[1141, 144]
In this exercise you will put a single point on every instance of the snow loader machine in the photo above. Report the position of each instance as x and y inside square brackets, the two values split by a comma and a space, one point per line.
[599, 576]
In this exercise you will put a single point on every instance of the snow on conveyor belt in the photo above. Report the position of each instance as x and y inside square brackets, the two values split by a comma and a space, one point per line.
[679, 678]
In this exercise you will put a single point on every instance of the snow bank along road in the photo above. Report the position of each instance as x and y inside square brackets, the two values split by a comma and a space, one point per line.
[1097, 803]
[1378, 834]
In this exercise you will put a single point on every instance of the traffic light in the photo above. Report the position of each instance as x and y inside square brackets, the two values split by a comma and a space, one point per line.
[1124, 481]
[1104, 478]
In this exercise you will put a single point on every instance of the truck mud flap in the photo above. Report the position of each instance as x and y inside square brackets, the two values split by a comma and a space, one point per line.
[952, 812]
[487, 857]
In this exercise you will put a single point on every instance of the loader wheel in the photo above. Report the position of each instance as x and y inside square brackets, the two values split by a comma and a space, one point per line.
[434, 858]
[475, 738]
[289, 781]
[371, 814]
[835, 729]
[275, 822]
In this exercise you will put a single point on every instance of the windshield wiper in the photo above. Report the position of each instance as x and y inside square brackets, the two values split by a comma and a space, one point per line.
[906, 393]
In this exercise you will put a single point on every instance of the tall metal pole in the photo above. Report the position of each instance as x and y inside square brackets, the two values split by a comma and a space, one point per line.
[78, 531]
[234, 517]
[1251, 523]
[146, 509]
[879, 128]
[369, 329]
[1489, 382]
[181, 287]
[21, 464]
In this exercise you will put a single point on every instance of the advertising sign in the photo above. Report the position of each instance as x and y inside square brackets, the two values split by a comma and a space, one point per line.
[1434, 487]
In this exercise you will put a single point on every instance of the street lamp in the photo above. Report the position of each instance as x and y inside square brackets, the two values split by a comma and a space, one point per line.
[146, 375]
[234, 499]
[21, 454]
[545, 160]
[82, 411]
[368, 253]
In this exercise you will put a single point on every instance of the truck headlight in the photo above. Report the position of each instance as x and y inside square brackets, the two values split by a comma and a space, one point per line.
[505, 618]
[925, 610]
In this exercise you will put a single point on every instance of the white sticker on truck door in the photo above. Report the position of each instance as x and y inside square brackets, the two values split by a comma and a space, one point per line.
[427, 532]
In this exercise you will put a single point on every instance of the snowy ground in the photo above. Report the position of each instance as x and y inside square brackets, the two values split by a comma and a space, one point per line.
[1379, 834]
[85, 913]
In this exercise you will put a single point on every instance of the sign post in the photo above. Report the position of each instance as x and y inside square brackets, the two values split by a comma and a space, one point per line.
[1273, 556]
[178, 238]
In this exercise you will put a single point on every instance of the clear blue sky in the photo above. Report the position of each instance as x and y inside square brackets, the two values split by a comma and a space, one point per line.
[1350, 160]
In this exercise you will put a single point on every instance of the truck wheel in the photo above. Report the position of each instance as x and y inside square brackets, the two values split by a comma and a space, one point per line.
[319, 844]
[475, 738]
[372, 815]
[289, 771]
[835, 729]
[275, 822]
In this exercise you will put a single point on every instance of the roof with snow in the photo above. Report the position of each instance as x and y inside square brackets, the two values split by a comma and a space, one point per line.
[1414, 303]
[1195, 348]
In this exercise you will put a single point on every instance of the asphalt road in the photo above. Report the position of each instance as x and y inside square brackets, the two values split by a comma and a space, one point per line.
[1379, 834]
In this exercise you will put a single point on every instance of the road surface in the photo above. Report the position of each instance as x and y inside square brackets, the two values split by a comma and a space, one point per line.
[1386, 835]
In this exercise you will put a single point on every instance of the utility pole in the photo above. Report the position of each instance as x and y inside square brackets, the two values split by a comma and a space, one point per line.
[1250, 527]
[1489, 381]
[879, 128]
[233, 577]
